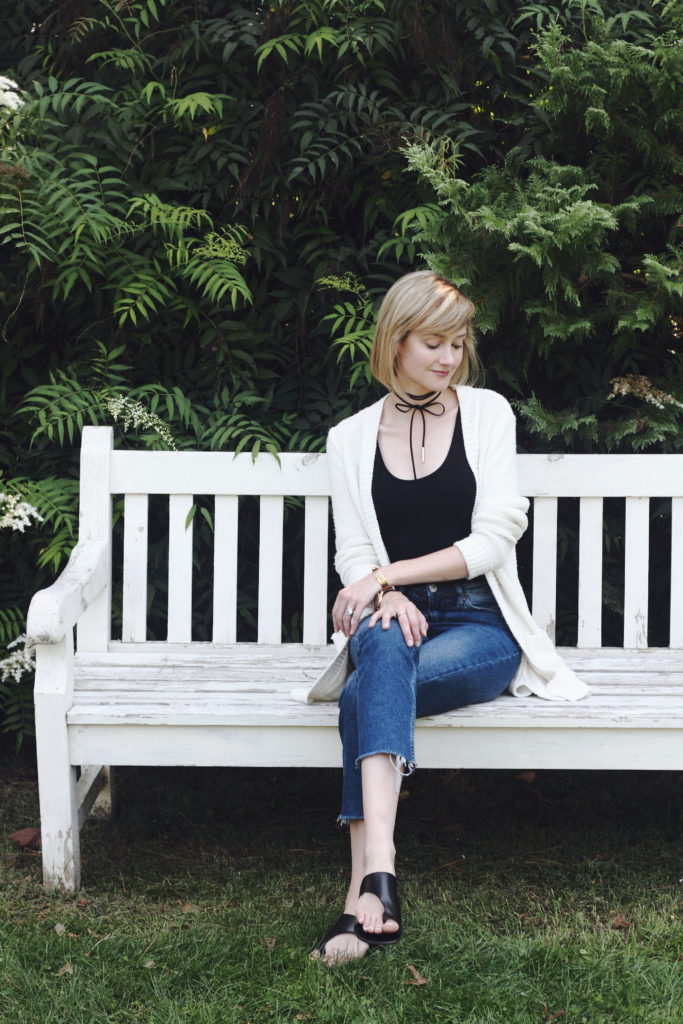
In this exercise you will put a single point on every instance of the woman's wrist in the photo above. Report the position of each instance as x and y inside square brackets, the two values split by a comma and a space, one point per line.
[385, 587]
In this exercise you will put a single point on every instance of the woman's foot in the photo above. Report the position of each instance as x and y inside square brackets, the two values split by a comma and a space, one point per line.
[370, 915]
[378, 915]
[370, 909]
[341, 945]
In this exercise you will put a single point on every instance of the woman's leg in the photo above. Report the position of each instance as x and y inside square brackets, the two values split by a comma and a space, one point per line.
[377, 711]
[381, 785]
[470, 663]
[372, 849]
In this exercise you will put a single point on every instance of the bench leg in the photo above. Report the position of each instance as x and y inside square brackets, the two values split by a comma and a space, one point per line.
[56, 775]
[105, 804]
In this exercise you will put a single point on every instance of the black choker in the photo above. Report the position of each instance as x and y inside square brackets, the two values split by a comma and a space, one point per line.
[424, 405]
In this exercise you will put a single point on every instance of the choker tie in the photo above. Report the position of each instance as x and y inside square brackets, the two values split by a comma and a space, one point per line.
[420, 407]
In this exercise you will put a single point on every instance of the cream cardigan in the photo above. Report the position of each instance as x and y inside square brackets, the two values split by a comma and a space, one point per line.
[498, 521]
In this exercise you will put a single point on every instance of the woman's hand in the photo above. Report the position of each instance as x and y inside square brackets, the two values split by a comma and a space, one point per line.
[396, 605]
[350, 603]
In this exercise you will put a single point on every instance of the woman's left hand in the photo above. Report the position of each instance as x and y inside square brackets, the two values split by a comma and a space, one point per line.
[396, 605]
[351, 601]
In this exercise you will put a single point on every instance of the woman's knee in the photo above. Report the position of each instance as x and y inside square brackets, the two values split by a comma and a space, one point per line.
[375, 640]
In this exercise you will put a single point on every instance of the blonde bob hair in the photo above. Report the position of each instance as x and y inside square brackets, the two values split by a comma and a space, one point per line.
[426, 302]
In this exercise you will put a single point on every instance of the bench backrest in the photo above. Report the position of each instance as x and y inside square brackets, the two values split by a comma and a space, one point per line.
[183, 475]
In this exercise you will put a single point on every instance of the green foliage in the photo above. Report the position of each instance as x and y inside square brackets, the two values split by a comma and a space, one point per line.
[573, 254]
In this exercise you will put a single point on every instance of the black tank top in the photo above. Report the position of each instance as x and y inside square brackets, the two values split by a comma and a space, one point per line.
[417, 517]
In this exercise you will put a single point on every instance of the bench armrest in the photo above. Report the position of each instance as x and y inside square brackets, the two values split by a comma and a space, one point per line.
[56, 609]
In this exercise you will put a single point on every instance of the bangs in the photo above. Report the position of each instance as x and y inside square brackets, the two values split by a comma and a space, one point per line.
[446, 313]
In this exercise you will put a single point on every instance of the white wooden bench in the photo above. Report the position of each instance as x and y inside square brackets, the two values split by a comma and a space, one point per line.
[183, 702]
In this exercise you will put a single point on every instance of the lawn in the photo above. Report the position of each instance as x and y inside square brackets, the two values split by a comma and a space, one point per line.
[526, 900]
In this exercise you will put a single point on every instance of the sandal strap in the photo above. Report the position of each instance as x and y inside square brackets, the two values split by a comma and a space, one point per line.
[344, 925]
[383, 885]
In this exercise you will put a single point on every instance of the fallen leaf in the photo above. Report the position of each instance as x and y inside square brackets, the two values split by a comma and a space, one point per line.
[548, 1016]
[189, 907]
[60, 929]
[303, 1016]
[619, 921]
[149, 963]
[72, 935]
[27, 838]
[66, 969]
[417, 978]
[269, 942]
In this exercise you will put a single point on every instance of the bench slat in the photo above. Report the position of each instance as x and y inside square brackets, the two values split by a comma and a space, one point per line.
[564, 476]
[636, 564]
[475, 744]
[218, 473]
[270, 570]
[225, 569]
[265, 708]
[179, 568]
[544, 579]
[601, 476]
[676, 614]
[135, 512]
[590, 572]
[315, 570]
[649, 659]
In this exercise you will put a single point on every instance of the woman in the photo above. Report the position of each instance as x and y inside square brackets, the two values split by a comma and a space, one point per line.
[427, 513]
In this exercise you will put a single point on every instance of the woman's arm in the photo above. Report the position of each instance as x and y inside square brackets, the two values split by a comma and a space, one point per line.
[354, 553]
[499, 517]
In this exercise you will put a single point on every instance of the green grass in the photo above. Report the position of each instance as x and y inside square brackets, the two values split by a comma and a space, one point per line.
[203, 896]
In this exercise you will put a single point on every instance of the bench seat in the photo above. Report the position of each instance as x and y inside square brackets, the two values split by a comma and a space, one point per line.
[163, 693]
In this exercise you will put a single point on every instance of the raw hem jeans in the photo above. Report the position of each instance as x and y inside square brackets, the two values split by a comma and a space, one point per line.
[469, 656]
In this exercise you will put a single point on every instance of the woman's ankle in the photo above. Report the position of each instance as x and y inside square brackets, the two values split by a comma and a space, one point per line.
[379, 858]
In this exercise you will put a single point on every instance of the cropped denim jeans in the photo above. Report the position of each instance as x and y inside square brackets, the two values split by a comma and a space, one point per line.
[469, 656]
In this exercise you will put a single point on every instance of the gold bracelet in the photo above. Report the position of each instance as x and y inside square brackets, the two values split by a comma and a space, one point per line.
[382, 580]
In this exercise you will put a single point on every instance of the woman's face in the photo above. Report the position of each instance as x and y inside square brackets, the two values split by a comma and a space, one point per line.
[427, 361]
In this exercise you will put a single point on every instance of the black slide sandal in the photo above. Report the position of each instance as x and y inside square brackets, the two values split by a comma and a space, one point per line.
[382, 885]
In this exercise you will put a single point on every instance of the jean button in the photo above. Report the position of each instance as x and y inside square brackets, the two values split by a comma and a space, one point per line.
[433, 588]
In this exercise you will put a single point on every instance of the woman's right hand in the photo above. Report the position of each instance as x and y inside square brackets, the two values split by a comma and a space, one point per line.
[396, 605]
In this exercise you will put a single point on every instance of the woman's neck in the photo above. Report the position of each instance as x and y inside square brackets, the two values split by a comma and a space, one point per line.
[448, 398]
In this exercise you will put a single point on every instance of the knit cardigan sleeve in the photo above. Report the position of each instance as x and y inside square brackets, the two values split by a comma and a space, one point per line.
[355, 555]
[499, 515]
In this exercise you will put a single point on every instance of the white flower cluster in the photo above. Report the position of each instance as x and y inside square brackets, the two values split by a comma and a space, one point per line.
[18, 662]
[642, 387]
[221, 247]
[134, 414]
[9, 94]
[15, 513]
